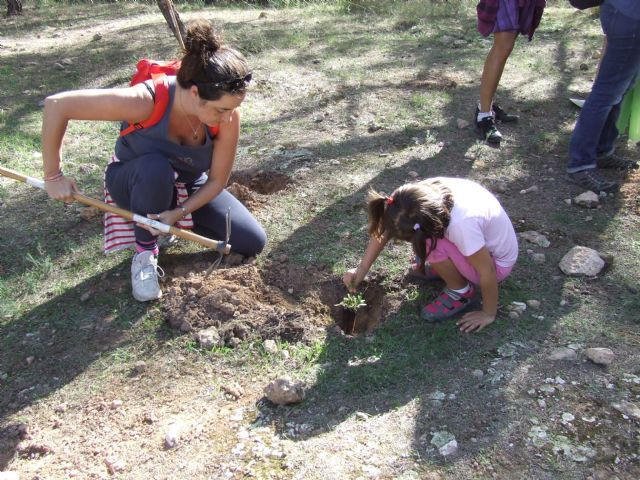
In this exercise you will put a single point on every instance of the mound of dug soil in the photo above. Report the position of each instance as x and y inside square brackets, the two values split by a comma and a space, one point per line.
[240, 305]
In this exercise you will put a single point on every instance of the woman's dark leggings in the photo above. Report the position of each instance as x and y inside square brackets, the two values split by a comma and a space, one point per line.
[147, 185]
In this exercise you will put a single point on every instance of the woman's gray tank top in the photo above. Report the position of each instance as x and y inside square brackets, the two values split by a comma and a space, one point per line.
[190, 162]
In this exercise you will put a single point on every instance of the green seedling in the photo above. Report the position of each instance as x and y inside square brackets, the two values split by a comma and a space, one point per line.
[352, 302]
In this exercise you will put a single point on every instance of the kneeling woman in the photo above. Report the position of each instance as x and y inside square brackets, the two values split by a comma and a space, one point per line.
[174, 171]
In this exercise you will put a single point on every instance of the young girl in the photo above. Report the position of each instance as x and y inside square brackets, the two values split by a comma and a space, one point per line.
[461, 230]
[174, 171]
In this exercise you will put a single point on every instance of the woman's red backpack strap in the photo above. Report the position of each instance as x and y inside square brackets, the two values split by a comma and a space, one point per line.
[157, 71]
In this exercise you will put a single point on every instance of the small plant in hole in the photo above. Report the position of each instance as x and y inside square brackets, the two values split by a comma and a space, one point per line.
[350, 305]
[352, 302]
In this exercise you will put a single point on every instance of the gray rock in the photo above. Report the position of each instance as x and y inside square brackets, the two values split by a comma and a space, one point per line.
[445, 442]
[587, 199]
[539, 258]
[601, 356]
[581, 261]
[461, 123]
[270, 346]
[535, 304]
[535, 237]
[208, 338]
[562, 353]
[284, 391]
[628, 408]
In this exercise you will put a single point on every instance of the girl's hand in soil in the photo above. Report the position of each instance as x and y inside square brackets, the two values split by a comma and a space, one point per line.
[349, 279]
[168, 217]
[475, 321]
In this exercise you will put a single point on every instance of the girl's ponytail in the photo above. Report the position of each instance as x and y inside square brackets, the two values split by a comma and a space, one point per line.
[376, 203]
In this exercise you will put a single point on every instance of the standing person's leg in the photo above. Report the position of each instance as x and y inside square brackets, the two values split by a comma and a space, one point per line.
[144, 185]
[247, 235]
[503, 43]
[595, 130]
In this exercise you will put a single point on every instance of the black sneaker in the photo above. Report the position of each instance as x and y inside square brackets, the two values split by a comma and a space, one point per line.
[592, 180]
[617, 162]
[502, 116]
[487, 130]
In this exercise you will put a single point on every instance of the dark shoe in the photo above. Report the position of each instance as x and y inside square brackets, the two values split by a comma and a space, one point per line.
[487, 130]
[502, 116]
[617, 162]
[448, 304]
[592, 180]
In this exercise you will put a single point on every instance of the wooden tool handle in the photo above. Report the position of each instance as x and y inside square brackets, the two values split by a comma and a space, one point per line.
[216, 245]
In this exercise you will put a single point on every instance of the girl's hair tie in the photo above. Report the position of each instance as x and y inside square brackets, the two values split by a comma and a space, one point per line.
[416, 227]
[389, 200]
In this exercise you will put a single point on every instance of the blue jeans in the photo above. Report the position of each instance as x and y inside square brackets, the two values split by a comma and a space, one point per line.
[596, 130]
[146, 185]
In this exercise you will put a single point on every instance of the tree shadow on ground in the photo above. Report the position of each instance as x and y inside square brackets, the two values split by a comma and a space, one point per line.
[47, 347]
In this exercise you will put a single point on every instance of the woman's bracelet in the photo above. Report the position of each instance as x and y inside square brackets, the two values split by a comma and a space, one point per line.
[56, 176]
[184, 210]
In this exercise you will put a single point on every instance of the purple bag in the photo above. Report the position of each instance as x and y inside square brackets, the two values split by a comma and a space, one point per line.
[583, 4]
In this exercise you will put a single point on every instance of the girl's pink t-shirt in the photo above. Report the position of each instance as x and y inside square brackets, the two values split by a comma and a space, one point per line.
[478, 220]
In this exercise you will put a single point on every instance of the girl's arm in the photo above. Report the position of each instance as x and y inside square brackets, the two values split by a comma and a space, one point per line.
[132, 103]
[477, 320]
[353, 277]
[224, 156]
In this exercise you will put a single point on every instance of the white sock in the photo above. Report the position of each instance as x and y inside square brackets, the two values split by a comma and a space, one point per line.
[463, 290]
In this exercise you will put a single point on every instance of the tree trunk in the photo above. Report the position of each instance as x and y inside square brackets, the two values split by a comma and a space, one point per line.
[173, 20]
[14, 7]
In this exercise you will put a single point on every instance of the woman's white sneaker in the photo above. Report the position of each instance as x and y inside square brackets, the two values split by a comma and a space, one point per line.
[144, 277]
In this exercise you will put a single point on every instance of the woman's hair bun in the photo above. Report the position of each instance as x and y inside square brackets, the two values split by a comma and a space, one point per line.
[201, 38]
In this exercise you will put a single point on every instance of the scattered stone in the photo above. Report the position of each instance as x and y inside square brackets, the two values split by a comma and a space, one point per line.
[97, 36]
[533, 303]
[66, 61]
[587, 199]
[58, 66]
[208, 338]
[234, 389]
[562, 353]
[373, 127]
[174, 434]
[478, 374]
[116, 404]
[538, 258]
[186, 327]
[445, 442]
[283, 391]
[270, 346]
[600, 356]
[531, 189]
[584, 67]
[567, 201]
[30, 360]
[568, 417]
[114, 465]
[85, 296]
[628, 408]
[542, 403]
[548, 389]
[262, 15]
[582, 261]
[413, 174]
[437, 395]
[535, 237]
[61, 408]
[462, 123]
[362, 416]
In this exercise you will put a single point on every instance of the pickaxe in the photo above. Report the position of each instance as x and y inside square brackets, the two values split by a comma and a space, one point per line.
[221, 247]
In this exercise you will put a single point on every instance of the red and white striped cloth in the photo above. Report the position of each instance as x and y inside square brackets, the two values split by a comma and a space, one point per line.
[118, 231]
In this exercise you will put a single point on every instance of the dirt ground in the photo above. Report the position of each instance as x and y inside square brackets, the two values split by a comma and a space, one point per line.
[383, 401]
